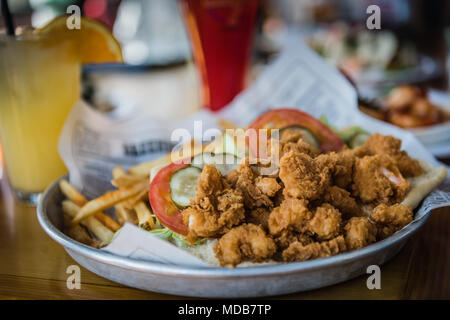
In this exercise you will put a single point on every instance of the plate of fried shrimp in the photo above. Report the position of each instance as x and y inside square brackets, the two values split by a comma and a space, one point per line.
[306, 208]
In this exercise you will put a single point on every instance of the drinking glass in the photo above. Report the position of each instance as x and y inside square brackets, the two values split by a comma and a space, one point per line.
[39, 83]
[221, 33]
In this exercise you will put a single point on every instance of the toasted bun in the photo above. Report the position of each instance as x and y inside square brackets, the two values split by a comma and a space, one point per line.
[422, 185]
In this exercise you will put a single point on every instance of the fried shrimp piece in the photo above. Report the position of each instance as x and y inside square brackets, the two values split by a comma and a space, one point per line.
[268, 186]
[259, 216]
[254, 197]
[343, 170]
[210, 181]
[232, 177]
[377, 179]
[359, 232]
[292, 214]
[341, 166]
[216, 207]
[289, 135]
[286, 237]
[299, 147]
[342, 200]
[326, 222]
[388, 145]
[246, 242]
[303, 177]
[299, 252]
[400, 97]
[390, 219]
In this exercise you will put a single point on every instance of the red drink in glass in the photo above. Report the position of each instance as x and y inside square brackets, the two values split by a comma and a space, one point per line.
[221, 33]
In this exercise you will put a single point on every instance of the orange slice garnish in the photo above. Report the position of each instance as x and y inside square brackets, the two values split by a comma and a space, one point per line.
[93, 42]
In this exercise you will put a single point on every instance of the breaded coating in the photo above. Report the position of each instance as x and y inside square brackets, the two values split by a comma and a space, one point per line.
[341, 165]
[292, 214]
[246, 242]
[342, 200]
[286, 237]
[291, 140]
[390, 219]
[216, 207]
[388, 145]
[303, 177]
[232, 177]
[289, 135]
[376, 179]
[359, 232]
[268, 186]
[259, 216]
[299, 252]
[299, 147]
[326, 222]
[210, 181]
[254, 197]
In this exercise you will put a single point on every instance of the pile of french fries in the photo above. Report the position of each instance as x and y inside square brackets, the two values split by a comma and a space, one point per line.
[86, 222]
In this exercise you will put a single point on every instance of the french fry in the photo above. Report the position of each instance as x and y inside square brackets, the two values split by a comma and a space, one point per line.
[95, 226]
[108, 200]
[118, 172]
[144, 215]
[107, 221]
[126, 181]
[76, 197]
[143, 169]
[141, 196]
[125, 215]
[77, 232]
[71, 193]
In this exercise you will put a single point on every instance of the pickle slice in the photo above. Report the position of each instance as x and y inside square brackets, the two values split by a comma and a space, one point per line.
[183, 184]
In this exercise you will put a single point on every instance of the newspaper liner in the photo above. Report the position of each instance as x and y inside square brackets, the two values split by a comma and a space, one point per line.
[91, 144]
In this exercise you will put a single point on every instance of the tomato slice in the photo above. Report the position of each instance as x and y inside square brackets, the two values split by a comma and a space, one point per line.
[284, 117]
[161, 201]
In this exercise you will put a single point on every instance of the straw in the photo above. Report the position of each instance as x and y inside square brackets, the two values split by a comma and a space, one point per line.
[8, 18]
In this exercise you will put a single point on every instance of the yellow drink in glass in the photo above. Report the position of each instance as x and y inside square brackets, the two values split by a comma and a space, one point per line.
[39, 83]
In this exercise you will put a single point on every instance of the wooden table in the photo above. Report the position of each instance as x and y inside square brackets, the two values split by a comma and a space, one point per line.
[32, 266]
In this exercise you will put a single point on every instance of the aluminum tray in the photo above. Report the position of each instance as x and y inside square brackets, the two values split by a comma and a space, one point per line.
[219, 282]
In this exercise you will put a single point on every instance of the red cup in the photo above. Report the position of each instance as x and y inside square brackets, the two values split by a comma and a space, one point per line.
[221, 33]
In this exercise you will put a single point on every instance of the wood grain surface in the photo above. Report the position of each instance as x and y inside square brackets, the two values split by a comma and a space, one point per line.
[33, 266]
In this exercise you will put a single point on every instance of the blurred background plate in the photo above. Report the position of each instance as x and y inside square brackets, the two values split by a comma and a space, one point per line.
[373, 82]
[437, 138]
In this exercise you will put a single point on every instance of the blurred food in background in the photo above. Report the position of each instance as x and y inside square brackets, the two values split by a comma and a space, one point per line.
[375, 60]
[358, 50]
[424, 112]
[407, 107]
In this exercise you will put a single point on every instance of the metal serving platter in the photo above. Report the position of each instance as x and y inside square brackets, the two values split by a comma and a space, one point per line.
[219, 282]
